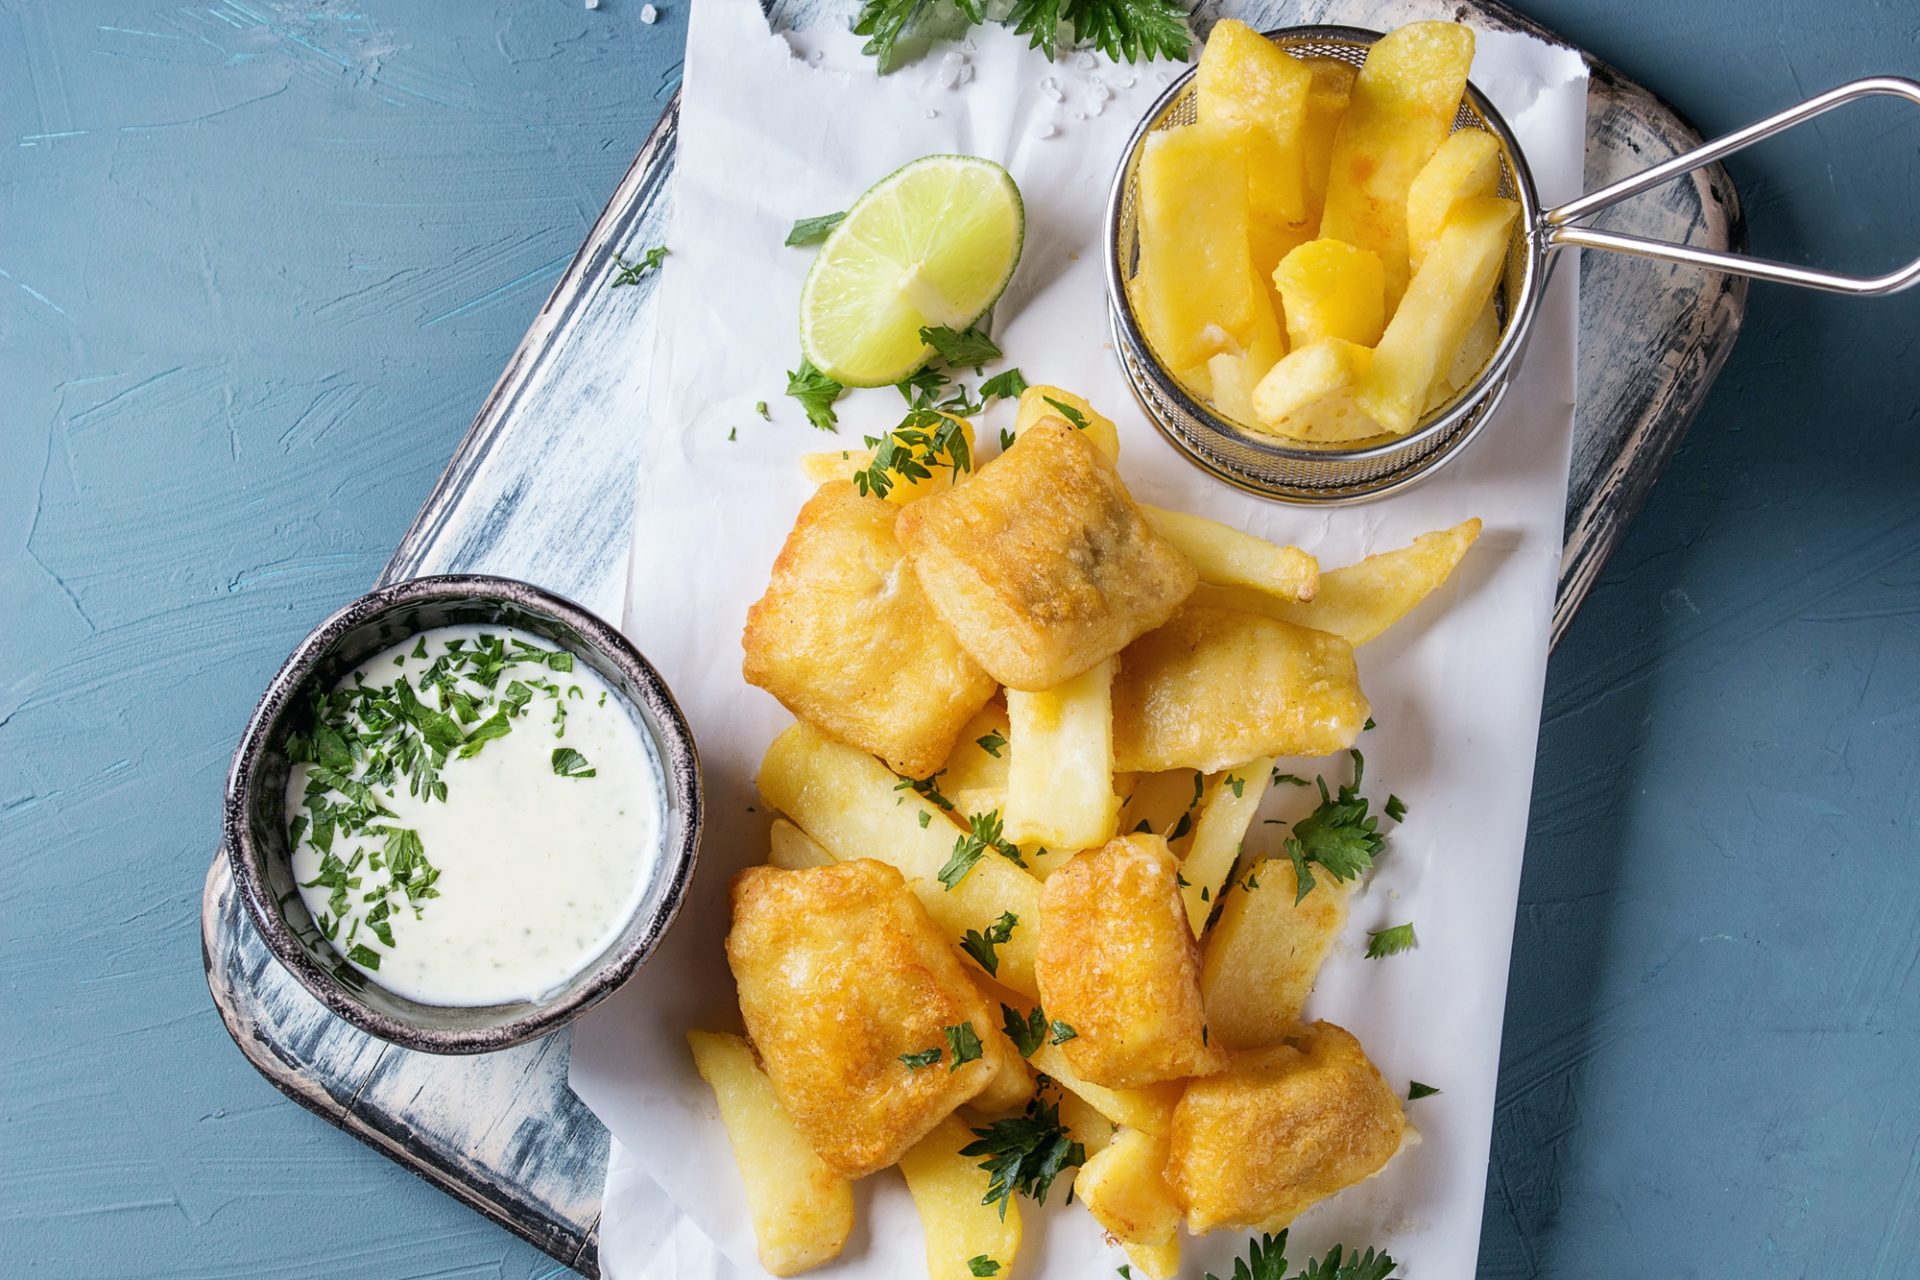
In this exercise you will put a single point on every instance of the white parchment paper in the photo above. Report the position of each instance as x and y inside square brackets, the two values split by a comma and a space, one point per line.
[776, 127]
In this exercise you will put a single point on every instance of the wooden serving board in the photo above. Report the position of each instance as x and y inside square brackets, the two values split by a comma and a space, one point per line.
[502, 1132]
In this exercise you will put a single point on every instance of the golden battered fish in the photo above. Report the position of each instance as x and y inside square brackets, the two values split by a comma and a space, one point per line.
[1117, 963]
[841, 974]
[1041, 565]
[1280, 1130]
[845, 639]
[1216, 687]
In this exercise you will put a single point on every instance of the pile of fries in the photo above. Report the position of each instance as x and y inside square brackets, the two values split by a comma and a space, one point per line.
[1318, 253]
[1006, 932]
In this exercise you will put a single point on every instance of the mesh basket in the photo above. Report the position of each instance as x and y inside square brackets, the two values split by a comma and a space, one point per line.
[1299, 471]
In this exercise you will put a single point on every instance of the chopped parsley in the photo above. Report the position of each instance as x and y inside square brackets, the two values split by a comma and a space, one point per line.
[924, 1058]
[969, 348]
[815, 229]
[964, 1042]
[1390, 941]
[634, 272]
[760, 407]
[1025, 1153]
[991, 743]
[1292, 779]
[1267, 1260]
[985, 831]
[981, 945]
[1341, 835]
[1006, 439]
[1003, 386]
[1121, 29]
[927, 788]
[569, 763]
[1062, 1032]
[1067, 411]
[1027, 1031]
[981, 1265]
[816, 393]
[925, 439]
[1417, 1091]
[1396, 808]
[1236, 785]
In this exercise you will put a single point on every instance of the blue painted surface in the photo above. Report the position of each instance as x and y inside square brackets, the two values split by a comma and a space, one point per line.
[259, 263]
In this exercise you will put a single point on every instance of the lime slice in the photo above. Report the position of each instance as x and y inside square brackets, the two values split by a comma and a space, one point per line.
[933, 243]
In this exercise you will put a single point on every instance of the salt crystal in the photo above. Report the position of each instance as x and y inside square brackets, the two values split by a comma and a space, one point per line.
[1051, 88]
[932, 114]
[593, 4]
[649, 14]
[1127, 83]
[954, 71]
[1085, 62]
[1044, 130]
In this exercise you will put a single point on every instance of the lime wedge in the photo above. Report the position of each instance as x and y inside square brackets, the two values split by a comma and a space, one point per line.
[933, 243]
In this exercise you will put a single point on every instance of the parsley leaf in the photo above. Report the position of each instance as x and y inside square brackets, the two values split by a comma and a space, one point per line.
[1293, 779]
[1236, 785]
[816, 393]
[1396, 808]
[1026, 1032]
[1339, 1265]
[1067, 411]
[1025, 1153]
[985, 831]
[927, 788]
[981, 945]
[1006, 439]
[924, 1058]
[981, 1265]
[814, 230]
[1003, 386]
[1266, 1259]
[1341, 835]
[969, 347]
[569, 763]
[1390, 941]
[920, 388]
[965, 1043]
[364, 956]
[1063, 1032]
[1417, 1091]
[635, 271]
[991, 743]
[1122, 29]
[912, 451]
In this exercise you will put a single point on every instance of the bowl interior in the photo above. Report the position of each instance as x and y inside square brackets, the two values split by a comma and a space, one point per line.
[1275, 466]
[257, 816]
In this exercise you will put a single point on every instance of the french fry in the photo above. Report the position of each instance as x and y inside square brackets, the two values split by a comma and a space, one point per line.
[1246, 79]
[1196, 292]
[1045, 401]
[974, 777]
[1359, 601]
[1327, 101]
[1155, 1261]
[1168, 803]
[852, 805]
[949, 1191]
[1466, 166]
[1404, 101]
[1451, 288]
[1086, 1125]
[1060, 778]
[802, 1211]
[837, 464]
[1218, 835]
[1125, 1189]
[1482, 337]
[1265, 951]
[793, 848]
[1227, 557]
[1310, 395]
[1232, 375]
[1150, 1108]
[1332, 289]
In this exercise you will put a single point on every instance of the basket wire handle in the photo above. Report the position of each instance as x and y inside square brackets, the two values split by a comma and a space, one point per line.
[1555, 227]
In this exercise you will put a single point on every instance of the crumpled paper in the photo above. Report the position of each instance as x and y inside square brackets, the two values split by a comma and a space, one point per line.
[780, 126]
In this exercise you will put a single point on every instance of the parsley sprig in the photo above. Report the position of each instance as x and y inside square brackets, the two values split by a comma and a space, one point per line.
[925, 440]
[1025, 1153]
[985, 831]
[634, 272]
[1342, 835]
[1267, 1260]
[1121, 29]
[981, 945]
[816, 393]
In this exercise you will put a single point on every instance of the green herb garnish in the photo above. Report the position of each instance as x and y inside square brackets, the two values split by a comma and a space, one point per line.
[1003, 386]
[569, 763]
[816, 393]
[1121, 29]
[981, 1265]
[814, 230]
[964, 1042]
[1067, 411]
[1025, 1153]
[1417, 1091]
[924, 1058]
[991, 743]
[981, 945]
[634, 272]
[1390, 941]
[985, 831]
[1341, 835]
[1062, 1032]
[924, 440]
[969, 348]
[1027, 1031]
[927, 788]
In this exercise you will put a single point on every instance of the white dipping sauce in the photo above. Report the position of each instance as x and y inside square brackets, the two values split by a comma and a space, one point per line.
[537, 871]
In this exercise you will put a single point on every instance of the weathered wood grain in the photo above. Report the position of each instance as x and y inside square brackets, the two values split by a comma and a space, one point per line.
[540, 488]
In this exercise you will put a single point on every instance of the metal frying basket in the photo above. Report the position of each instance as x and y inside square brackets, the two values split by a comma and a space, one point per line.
[1304, 472]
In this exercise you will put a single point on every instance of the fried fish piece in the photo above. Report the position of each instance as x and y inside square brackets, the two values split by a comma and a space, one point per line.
[1118, 964]
[1280, 1130]
[1041, 565]
[842, 975]
[1217, 686]
[845, 639]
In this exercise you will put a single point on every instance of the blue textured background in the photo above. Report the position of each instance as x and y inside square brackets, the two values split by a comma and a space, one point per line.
[259, 263]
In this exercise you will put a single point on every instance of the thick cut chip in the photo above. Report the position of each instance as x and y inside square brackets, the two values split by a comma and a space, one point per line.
[1060, 786]
[844, 637]
[1195, 292]
[1265, 951]
[1359, 601]
[1217, 838]
[846, 800]
[1404, 103]
[793, 849]
[1327, 102]
[802, 1211]
[1310, 395]
[842, 975]
[950, 1192]
[1149, 1108]
[1232, 375]
[1466, 166]
[1246, 79]
[1280, 1130]
[1215, 687]
[1118, 964]
[1450, 290]
[1155, 1261]
[1041, 565]
[1124, 1186]
[974, 777]
[1227, 557]
[1332, 289]
[1045, 401]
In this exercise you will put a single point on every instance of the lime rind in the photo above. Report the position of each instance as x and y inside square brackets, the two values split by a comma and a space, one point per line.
[933, 243]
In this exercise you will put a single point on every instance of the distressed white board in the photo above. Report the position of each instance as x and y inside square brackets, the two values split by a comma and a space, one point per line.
[540, 488]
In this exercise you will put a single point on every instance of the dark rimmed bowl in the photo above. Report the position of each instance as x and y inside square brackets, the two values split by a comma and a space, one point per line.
[256, 821]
